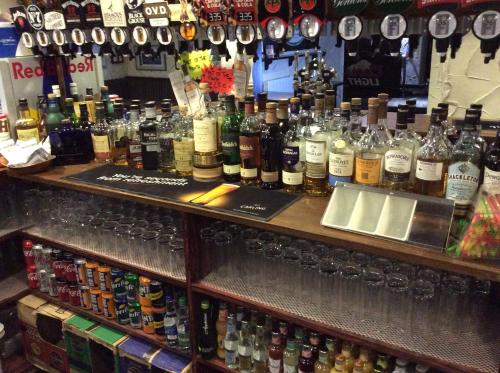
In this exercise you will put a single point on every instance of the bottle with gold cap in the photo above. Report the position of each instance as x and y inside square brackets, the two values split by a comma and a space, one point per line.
[370, 151]
[364, 360]
[340, 365]
[347, 348]
[183, 145]
[271, 143]
[26, 127]
[382, 130]
[341, 152]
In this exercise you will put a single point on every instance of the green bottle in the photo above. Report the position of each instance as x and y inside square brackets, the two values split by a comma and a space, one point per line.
[69, 112]
[230, 133]
[54, 115]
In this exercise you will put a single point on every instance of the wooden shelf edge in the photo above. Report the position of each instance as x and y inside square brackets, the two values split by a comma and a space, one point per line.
[215, 363]
[372, 343]
[13, 288]
[137, 333]
[102, 258]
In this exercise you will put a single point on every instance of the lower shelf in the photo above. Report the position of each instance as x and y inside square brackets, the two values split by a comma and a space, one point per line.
[137, 333]
[13, 288]
[462, 350]
[215, 363]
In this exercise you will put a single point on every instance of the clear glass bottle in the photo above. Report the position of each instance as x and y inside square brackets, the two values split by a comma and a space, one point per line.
[432, 160]
[370, 151]
[166, 131]
[183, 145]
[399, 157]
[230, 133]
[293, 167]
[134, 153]
[183, 324]
[206, 158]
[275, 353]
[382, 131]
[148, 131]
[450, 133]
[245, 349]
[108, 104]
[100, 135]
[170, 322]
[26, 127]
[250, 145]
[480, 142]
[271, 144]
[119, 137]
[341, 152]
[412, 112]
[305, 120]
[259, 352]
[465, 165]
[355, 119]
[331, 117]
[492, 163]
[231, 343]
[291, 357]
[41, 108]
[322, 365]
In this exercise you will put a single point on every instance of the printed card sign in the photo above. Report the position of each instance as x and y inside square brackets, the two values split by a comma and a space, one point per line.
[157, 13]
[343, 8]
[20, 19]
[54, 21]
[243, 12]
[35, 17]
[393, 6]
[113, 13]
[71, 12]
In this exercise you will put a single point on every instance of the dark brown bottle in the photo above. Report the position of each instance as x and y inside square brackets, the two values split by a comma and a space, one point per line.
[275, 352]
[306, 362]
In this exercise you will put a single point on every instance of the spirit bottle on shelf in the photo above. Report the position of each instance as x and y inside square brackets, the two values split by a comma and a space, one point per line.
[306, 362]
[432, 160]
[108, 104]
[220, 113]
[293, 167]
[259, 353]
[206, 332]
[322, 365]
[464, 169]
[69, 111]
[148, 130]
[450, 133]
[275, 352]
[85, 126]
[4, 128]
[54, 115]
[480, 142]
[400, 154]
[331, 117]
[283, 115]
[245, 349]
[170, 322]
[183, 145]
[26, 127]
[183, 324]
[119, 137]
[382, 131]
[41, 108]
[250, 145]
[341, 152]
[412, 111]
[291, 357]
[73, 92]
[231, 343]
[100, 135]
[230, 133]
[261, 107]
[271, 144]
[134, 153]
[355, 119]
[240, 76]
[221, 329]
[206, 160]
[166, 131]
[370, 150]
[492, 163]
[306, 117]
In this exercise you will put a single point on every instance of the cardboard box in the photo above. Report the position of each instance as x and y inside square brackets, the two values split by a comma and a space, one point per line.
[26, 309]
[135, 356]
[166, 361]
[103, 343]
[77, 343]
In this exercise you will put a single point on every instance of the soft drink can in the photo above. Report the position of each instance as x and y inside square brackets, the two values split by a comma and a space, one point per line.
[53, 292]
[43, 278]
[108, 305]
[156, 294]
[58, 265]
[47, 258]
[62, 290]
[158, 322]
[32, 277]
[70, 270]
[37, 251]
[29, 259]
[134, 311]
[85, 297]
[74, 294]
[104, 273]
[92, 274]
[81, 277]
[96, 301]
[132, 286]
[147, 320]
[144, 295]
[118, 281]
[122, 315]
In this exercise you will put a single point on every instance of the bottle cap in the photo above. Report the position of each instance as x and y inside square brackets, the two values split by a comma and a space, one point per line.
[283, 102]
[73, 84]
[150, 104]
[249, 99]
[205, 305]
[262, 96]
[444, 105]
[306, 96]
[411, 102]
[356, 101]
[383, 96]
[203, 86]
[345, 106]
[319, 96]
[51, 96]
[271, 105]
[330, 92]
[373, 101]
[134, 107]
[104, 88]
[68, 100]
[83, 107]
[295, 100]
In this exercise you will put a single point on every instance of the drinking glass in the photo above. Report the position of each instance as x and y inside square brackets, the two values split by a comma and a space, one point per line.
[109, 228]
[397, 302]
[372, 293]
[254, 247]
[291, 261]
[382, 263]
[309, 274]
[134, 243]
[350, 288]
[422, 305]
[222, 241]
[177, 249]
[149, 249]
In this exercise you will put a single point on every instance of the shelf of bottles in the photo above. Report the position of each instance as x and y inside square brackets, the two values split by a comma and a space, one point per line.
[374, 299]
[146, 239]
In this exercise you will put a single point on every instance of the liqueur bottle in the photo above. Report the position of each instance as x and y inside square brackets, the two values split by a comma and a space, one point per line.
[432, 160]
[271, 143]
[464, 169]
[250, 161]
[230, 133]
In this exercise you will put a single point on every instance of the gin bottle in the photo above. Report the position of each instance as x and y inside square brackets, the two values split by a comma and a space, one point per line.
[183, 144]
[250, 145]
[293, 167]
[370, 151]
[464, 169]
[166, 131]
[355, 119]
[399, 156]
[231, 343]
[382, 131]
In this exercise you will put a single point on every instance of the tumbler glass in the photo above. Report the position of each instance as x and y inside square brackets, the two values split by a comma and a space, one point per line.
[422, 315]
[397, 304]
[372, 293]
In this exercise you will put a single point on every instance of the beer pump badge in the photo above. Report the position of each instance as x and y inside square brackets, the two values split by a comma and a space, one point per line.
[35, 17]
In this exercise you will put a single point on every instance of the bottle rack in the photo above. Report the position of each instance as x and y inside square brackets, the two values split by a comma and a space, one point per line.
[471, 353]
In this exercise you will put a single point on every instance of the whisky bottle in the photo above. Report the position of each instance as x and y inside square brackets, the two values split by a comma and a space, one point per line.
[41, 109]
[283, 115]
[4, 128]
[26, 127]
[271, 143]
[69, 111]
[480, 142]
[261, 107]
[250, 145]
[206, 159]
[341, 152]
[316, 152]
[134, 153]
[355, 119]
[331, 117]
[108, 104]
[399, 156]
[305, 121]
[293, 167]
[230, 133]
[85, 125]
[432, 160]
[183, 145]
[382, 131]
[464, 169]
[450, 133]
[148, 132]
[100, 135]
[166, 137]
[370, 151]
[492, 163]
[412, 111]
[73, 91]
[119, 136]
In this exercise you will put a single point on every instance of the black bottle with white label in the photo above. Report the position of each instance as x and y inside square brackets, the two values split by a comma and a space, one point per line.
[148, 130]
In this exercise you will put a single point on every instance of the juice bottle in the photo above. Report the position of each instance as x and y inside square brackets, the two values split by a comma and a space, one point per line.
[322, 365]
[306, 362]
[275, 351]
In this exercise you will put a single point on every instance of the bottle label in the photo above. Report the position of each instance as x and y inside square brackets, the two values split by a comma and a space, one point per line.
[101, 146]
[292, 178]
[491, 177]
[28, 134]
[274, 365]
[429, 171]
[463, 180]
[257, 355]
[291, 155]
[166, 146]
[240, 82]
[248, 173]
[397, 165]
[315, 152]
[367, 171]
[289, 368]
[269, 177]
[341, 165]
[205, 135]
[231, 169]
[230, 146]
[250, 156]
[183, 153]
[220, 341]
[244, 350]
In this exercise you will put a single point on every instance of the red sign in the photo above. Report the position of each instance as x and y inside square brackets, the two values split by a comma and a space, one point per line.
[20, 71]
[212, 11]
[427, 3]
[466, 3]
[219, 79]
[243, 12]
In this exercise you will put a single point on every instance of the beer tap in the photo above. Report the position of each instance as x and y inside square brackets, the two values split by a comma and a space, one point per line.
[416, 26]
[392, 28]
[486, 27]
[456, 39]
[374, 35]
